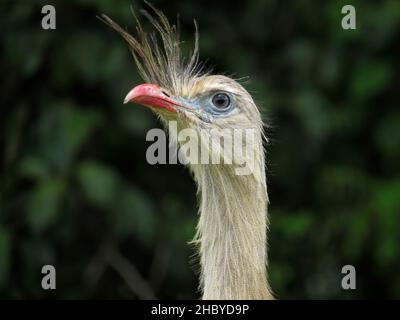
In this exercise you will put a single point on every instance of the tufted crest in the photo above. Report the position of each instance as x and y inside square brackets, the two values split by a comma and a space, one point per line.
[158, 55]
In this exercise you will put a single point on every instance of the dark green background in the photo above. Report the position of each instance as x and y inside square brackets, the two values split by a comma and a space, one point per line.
[76, 190]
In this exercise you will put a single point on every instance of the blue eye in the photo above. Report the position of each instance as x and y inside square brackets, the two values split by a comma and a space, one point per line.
[221, 101]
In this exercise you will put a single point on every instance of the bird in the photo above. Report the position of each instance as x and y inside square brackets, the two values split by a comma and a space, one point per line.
[231, 233]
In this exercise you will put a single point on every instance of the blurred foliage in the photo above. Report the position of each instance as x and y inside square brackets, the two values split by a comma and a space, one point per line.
[75, 184]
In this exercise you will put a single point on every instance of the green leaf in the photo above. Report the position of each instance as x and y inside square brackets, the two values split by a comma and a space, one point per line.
[135, 214]
[370, 78]
[294, 225]
[99, 183]
[43, 205]
[62, 131]
[342, 186]
[137, 121]
[386, 204]
[387, 138]
[78, 124]
[34, 167]
[311, 108]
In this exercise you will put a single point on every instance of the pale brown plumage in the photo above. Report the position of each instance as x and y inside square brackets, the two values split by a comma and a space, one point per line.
[231, 233]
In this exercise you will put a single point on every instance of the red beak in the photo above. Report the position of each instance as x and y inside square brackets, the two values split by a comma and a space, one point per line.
[150, 95]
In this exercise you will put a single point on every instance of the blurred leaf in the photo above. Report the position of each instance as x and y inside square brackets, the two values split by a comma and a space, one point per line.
[294, 225]
[78, 124]
[342, 186]
[136, 121]
[357, 231]
[44, 204]
[181, 222]
[387, 139]
[62, 131]
[135, 215]
[370, 78]
[99, 183]
[382, 23]
[311, 109]
[34, 167]
[281, 276]
[386, 207]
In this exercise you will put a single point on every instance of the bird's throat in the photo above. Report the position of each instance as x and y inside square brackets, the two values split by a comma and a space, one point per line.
[231, 233]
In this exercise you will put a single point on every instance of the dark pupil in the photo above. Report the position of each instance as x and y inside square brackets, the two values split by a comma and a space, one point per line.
[221, 100]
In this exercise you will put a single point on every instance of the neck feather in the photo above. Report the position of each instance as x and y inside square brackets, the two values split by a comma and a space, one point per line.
[231, 233]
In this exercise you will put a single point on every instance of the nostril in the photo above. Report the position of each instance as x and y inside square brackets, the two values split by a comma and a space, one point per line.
[163, 92]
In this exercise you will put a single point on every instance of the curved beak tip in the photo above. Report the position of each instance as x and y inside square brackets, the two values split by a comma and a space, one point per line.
[126, 100]
[132, 95]
[150, 95]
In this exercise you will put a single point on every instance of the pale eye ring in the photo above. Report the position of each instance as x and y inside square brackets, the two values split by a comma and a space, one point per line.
[221, 101]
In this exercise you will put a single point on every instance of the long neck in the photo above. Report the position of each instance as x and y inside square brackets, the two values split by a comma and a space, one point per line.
[231, 233]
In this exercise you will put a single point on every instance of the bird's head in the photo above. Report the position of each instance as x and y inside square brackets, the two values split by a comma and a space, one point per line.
[207, 101]
[177, 89]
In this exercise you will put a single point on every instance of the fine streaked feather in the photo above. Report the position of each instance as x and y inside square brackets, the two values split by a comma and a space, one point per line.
[161, 64]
